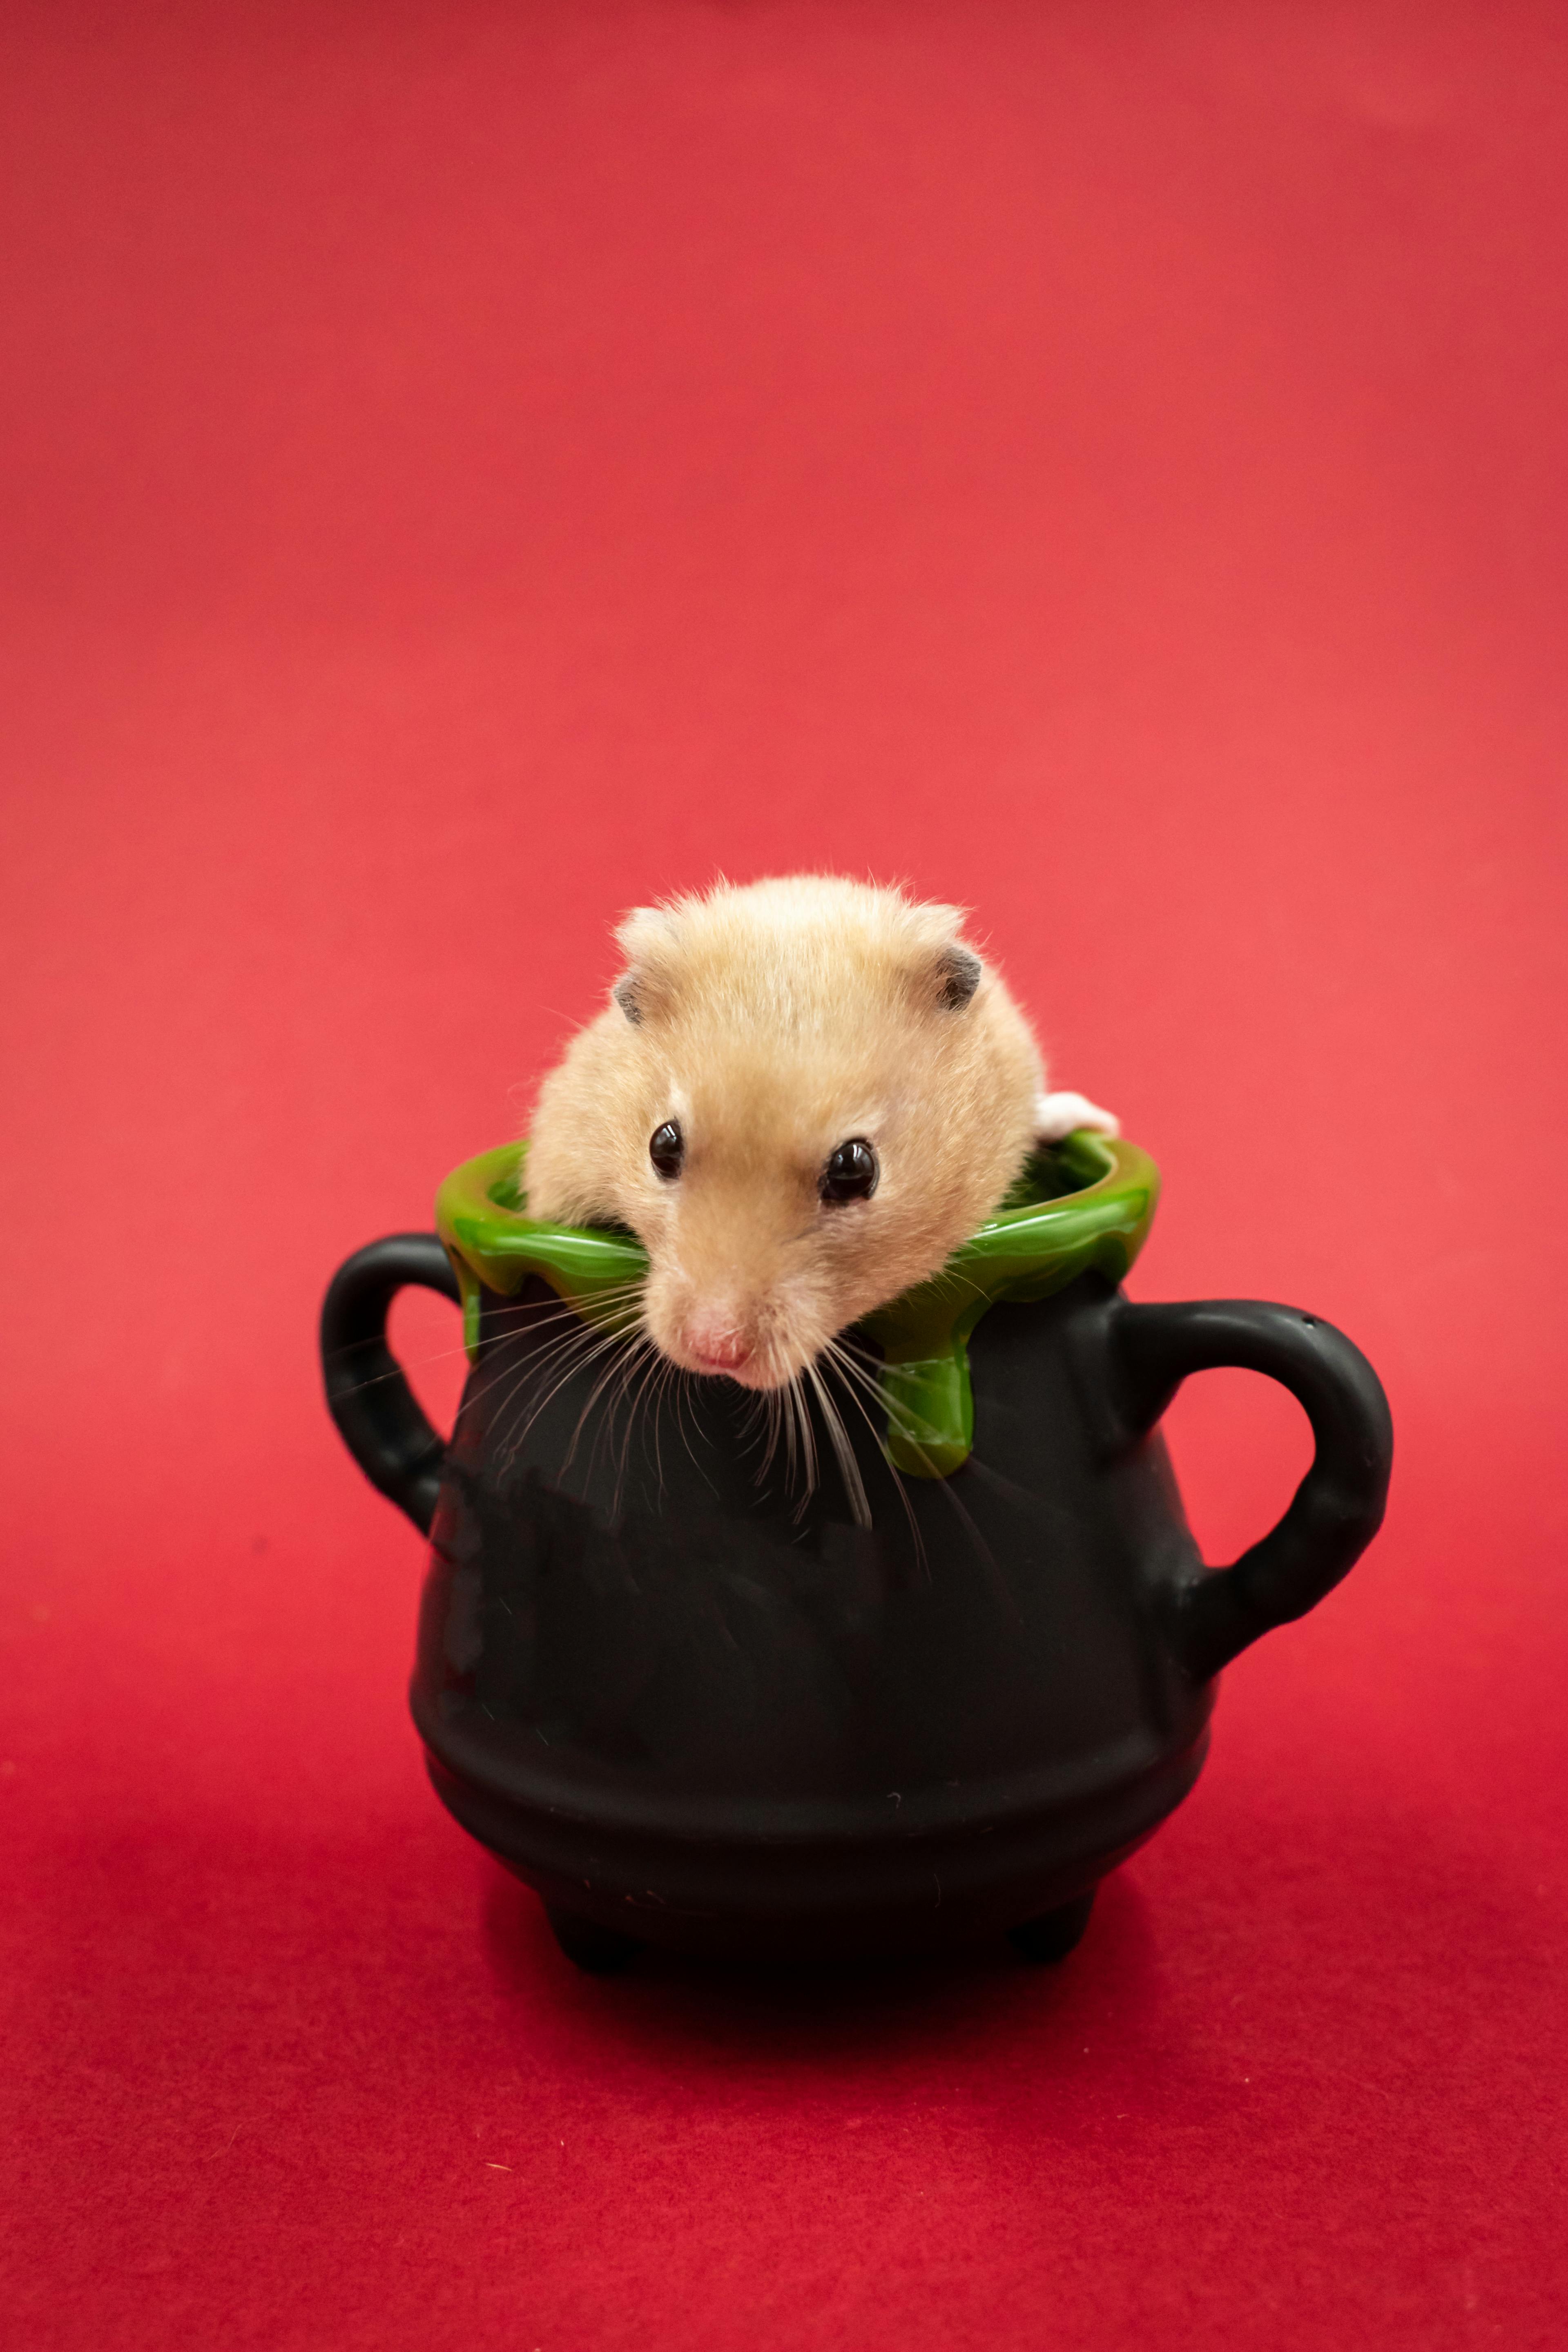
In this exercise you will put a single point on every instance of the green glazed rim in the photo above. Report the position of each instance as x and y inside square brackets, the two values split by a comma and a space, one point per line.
[1083, 1207]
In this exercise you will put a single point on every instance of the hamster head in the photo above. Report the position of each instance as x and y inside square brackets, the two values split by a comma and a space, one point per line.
[802, 1097]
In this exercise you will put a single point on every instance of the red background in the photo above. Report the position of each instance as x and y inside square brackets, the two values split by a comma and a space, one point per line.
[469, 469]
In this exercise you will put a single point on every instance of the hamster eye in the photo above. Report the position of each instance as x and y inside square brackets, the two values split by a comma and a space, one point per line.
[851, 1172]
[667, 1149]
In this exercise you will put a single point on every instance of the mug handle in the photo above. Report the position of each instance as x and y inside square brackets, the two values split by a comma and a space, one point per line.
[378, 1416]
[1338, 1506]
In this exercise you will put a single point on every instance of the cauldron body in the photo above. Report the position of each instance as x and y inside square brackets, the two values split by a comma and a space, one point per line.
[675, 1686]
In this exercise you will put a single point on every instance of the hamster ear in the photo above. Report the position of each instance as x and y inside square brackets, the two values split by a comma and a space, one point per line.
[943, 972]
[646, 935]
[959, 972]
[625, 992]
[945, 979]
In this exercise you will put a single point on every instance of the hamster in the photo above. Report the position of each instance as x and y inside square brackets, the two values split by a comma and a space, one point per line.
[803, 1094]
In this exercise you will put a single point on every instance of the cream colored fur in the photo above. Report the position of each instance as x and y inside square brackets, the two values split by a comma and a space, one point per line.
[774, 1023]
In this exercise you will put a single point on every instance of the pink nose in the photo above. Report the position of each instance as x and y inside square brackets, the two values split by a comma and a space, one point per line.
[718, 1347]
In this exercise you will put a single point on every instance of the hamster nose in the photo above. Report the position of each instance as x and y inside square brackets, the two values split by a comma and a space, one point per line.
[716, 1344]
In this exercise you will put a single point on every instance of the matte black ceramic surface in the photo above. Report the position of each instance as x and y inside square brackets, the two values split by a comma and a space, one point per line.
[693, 1705]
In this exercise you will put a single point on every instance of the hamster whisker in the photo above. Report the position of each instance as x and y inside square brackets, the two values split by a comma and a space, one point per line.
[793, 1459]
[634, 1387]
[643, 1413]
[663, 1373]
[682, 1391]
[532, 1314]
[848, 1468]
[760, 1429]
[541, 1317]
[472, 1397]
[853, 1368]
[561, 1344]
[650, 1401]
[807, 1443]
[554, 1345]
[620, 1384]
[563, 1354]
[565, 1349]
[565, 1360]
[779, 1404]
[615, 1384]
[863, 1374]
[619, 1367]
[772, 1421]
[566, 1311]
[770, 1427]
[420, 1363]
[1001, 1590]
[849, 1370]
[562, 1313]
[752, 1427]
[566, 1322]
[613, 1373]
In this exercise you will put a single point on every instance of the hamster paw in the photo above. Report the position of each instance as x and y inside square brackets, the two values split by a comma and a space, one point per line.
[1056, 1116]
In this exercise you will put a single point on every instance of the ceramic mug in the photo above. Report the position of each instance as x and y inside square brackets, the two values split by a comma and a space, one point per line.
[698, 1698]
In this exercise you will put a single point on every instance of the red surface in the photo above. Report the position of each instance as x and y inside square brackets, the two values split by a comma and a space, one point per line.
[468, 469]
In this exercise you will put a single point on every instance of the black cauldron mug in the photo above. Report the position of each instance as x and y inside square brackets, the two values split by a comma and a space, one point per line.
[698, 1698]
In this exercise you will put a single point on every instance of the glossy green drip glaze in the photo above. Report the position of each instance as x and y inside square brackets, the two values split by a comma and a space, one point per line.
[479, 1215]
[1096, 1223]
[1084, 1207]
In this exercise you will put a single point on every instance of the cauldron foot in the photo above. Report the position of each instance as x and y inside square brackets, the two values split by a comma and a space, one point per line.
[600, 1950]
[1052, 1935]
